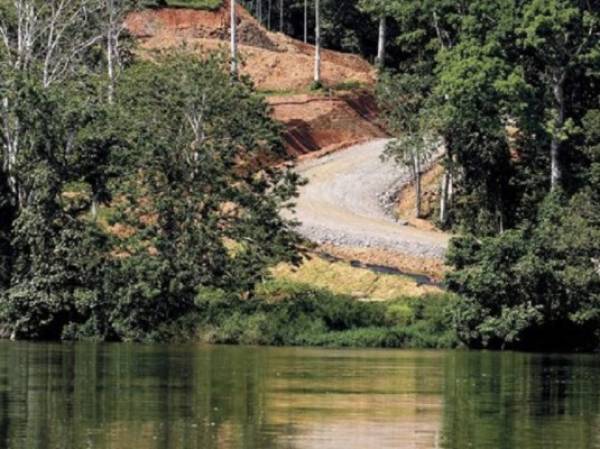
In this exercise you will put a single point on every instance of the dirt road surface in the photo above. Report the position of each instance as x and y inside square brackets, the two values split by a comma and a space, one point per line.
[342, 204]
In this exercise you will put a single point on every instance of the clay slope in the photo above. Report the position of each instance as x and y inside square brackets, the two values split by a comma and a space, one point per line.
[317, 125]
[274, 61]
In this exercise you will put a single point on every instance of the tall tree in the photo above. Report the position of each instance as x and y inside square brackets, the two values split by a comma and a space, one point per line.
[317, 77]
[200, 199]
[269, 13]
[281, 16]
[114, 24]
[564, 34]
[47, 42]
[305, 21]
[415, 141]
[379, 10]
[233, 35]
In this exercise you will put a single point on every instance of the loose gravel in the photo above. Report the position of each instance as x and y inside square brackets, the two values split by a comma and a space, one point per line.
[347, 203]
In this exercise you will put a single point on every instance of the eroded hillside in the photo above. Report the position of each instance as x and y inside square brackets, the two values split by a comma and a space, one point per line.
[281, 67]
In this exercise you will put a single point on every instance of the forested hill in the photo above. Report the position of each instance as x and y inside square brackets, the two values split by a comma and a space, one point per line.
[138, 201]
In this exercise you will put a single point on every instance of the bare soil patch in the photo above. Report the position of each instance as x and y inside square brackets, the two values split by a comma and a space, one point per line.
[274, 61]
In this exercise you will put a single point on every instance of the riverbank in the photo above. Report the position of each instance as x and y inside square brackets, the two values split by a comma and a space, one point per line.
[292, 314]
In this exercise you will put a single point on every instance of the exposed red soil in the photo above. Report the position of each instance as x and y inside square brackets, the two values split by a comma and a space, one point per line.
[275, 62]
[317, 125]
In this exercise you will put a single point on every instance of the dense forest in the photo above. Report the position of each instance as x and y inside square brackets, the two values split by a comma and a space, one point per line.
[140, 197]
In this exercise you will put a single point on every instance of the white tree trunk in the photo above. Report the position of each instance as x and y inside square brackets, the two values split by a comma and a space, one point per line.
[559, 123]
[317, 41]
[110, 51]
[417, 175]
[281, 16]
[52, 37]
[381, 42]
[259, 11]
[444, 198]
[305, 21]
[234, 56]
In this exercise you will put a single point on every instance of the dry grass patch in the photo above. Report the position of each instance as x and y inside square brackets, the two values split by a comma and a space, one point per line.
[342, 278]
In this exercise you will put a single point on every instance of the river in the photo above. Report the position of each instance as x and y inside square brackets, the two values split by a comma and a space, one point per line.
[124, 396]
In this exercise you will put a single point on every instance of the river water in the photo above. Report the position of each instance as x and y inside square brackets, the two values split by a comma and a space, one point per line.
[214, 397]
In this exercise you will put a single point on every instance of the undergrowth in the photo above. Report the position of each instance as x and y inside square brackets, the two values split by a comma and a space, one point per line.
[288, 314]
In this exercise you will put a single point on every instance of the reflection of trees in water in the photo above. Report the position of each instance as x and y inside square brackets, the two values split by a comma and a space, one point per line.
[512, 400]
[185, 397]
[121, 396]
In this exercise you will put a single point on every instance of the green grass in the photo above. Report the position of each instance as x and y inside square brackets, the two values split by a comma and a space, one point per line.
[315, 89]
[209, 5]
[291, 314]
[348, 85]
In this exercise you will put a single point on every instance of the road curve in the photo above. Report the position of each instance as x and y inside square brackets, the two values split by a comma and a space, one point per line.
[341, 204]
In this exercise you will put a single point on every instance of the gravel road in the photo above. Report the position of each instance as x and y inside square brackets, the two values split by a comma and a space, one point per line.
[342, 204]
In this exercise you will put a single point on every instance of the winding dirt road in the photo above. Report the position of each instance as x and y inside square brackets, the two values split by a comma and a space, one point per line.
[341, 204]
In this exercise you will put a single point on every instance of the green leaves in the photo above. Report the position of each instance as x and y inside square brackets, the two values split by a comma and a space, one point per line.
[202, 198]
[182, 160]
[520, 288]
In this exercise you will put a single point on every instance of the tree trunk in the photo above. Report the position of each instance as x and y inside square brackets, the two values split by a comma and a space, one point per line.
[559, 123]
[438, 31]
[417, 174]
[281, 16]
[381, 42]
[11, 129]
[111, 70]
[110, 52]
[234, 63]
[444, 198]
[317, 42]
[305, 21]
[269, 12]
[259, 11]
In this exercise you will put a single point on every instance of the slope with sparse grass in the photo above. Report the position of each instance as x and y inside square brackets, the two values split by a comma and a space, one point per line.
[209, 5]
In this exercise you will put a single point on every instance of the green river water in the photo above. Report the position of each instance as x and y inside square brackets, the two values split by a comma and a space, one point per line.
[213, 397]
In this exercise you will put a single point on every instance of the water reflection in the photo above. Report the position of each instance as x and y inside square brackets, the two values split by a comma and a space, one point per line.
[195, 397]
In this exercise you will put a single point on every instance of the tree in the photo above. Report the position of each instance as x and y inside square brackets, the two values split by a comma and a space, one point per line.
[532, 283]
[378, 9]
[426, 30]
[281, 13]
[233, 33]
[537, 288]
[317, 78]
[414, 142]
[54, 253]
[45, 41]
[305, 21]
[259, 10]
[114, 24]
[200, 204]
[564, 35]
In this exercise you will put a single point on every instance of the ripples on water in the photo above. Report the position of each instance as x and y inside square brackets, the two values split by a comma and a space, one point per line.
[199, 397]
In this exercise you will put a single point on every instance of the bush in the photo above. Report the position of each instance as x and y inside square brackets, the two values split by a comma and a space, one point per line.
[537, 288]
[316, 85]
[297, 315]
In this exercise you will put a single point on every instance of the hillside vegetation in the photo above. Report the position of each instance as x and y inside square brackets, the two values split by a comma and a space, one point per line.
[143, 176]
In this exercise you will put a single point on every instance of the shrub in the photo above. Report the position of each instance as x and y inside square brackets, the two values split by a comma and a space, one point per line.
[297, 315]
[537, 288]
